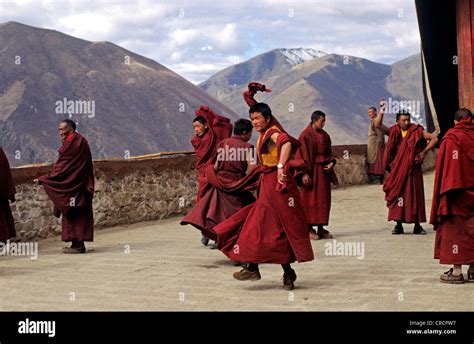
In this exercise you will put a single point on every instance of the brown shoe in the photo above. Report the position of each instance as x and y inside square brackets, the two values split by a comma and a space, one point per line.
[324, 234]
[246, 275]
[289, 280]
[313, 235]
[448, 277]
[74, 250]
[470, 276]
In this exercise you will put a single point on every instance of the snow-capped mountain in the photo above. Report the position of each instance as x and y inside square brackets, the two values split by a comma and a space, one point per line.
[303, 80]
[300, 55]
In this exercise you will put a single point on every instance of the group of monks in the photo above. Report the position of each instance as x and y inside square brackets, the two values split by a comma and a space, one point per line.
[268, 209]
[292, 183]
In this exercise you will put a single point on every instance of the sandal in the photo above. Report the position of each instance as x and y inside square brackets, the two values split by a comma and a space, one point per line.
[448, 277]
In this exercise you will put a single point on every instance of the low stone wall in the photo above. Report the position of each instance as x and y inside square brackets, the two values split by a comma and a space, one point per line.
[130, 191]
[127, 191]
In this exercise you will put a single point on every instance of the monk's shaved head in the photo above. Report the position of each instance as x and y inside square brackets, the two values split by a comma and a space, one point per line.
[70, 124]
[461, 113]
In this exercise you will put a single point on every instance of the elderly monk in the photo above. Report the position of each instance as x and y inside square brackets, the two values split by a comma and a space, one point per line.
[315, 190]
[70, 185]
[404, 154]
[233, 159]
[210, 128]
[7, 195]
[452, 211]
[376, 144]
[273, 229]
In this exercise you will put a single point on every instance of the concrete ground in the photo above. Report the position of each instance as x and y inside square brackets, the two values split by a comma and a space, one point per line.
[163, 266]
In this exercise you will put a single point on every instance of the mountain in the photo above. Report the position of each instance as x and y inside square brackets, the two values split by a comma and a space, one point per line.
[122, 102]
[303, 80]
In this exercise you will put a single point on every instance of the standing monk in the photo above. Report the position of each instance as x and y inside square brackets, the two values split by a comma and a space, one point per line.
[232, 161]
[70, 185]
[7, 195]
[376, 144]
[273, 229]
[404, 154]
[452, 211]
[210, 129]
[315, 192]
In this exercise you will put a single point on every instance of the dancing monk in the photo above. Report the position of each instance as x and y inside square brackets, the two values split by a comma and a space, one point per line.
[210, 129]
[404, 154]
[452, 211]
[376, 144]
[315, 191]
[273, 229]
[70, 185]
[233, 159]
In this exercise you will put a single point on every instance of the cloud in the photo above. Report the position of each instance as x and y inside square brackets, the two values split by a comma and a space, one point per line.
[197, 39]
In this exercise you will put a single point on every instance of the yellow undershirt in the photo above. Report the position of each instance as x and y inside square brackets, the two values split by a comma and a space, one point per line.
[271, 158]
[404, 132]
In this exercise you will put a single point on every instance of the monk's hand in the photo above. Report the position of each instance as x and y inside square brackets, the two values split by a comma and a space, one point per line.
[256, 86]
[281, 176]
[420, 157]
[329, 167]
[306, 180]
[383, 104]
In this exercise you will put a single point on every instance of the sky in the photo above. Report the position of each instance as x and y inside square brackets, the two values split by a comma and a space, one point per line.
[199, 38]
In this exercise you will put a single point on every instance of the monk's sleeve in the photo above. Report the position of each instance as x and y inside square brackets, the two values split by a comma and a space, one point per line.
[249, 97]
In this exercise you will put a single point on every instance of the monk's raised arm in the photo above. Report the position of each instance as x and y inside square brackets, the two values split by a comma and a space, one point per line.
[379, 120]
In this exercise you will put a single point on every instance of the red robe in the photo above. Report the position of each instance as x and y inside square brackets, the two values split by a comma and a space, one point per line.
[70, 185]
[403, 187]
[7, 195]
[316, 151]
[219, 128]
[452, 211]
[273, 229]
[217, 205]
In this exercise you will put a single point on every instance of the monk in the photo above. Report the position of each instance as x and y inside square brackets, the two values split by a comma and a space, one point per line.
[7, 195]
[210, 128]
[403, 157]
[273, 229]
[70, 185]
[315, 190]
[233, 159]
[376, 144]
[452, 210]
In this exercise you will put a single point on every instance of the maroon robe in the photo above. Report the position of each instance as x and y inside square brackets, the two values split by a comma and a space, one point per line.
[7, 195]
[70, 185]
[217, 205]
[219, 128]
[452, 211]
[273, 229]
[403, 187]
[316, 151]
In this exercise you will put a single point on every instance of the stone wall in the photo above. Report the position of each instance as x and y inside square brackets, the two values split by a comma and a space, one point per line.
[136, 190]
